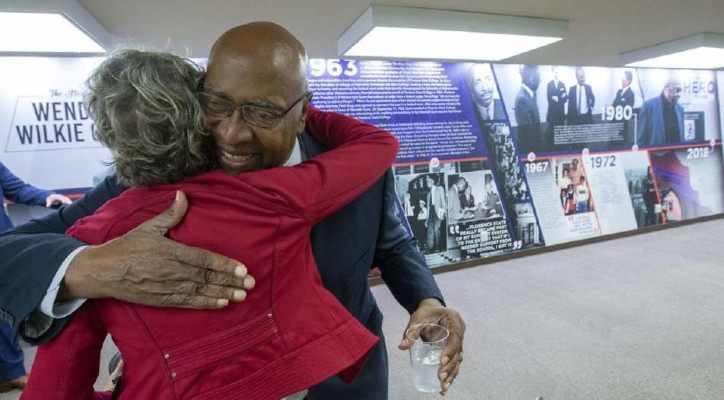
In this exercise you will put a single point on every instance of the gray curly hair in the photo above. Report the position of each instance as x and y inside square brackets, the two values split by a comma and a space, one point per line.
[145, 109]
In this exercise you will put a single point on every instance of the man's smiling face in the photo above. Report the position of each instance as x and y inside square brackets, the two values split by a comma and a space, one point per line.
[266, 74]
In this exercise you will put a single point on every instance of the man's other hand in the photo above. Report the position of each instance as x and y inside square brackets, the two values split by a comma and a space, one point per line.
[56, 200]
[145, 267]
[431, 311]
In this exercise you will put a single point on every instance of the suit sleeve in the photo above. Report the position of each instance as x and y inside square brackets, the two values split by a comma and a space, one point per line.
[31, 254]
[20, 192]
[551, 91]
[521, 112]
[644, 122]
[360, 155]
[67, 367]
[572, 106]
[403, 267]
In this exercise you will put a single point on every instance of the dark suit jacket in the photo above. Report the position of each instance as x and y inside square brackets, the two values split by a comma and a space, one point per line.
[15, 190]
[624, 99]
[526, 109]
[345, 245]
[557, 98]
[467, 203]
[652, 128]
[528, 118]
[498, 112]
[574, 115]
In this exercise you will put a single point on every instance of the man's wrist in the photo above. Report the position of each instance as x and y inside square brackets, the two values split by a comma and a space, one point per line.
[430, 302]
[51, 305]
[78, 282]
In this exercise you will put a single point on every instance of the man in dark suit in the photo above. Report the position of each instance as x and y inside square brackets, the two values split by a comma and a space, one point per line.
[580, 101]
[557, 98]
[661, 119]
[482, 86]
[526, 108]
[254, 65]
[625, 96]
[12, 369]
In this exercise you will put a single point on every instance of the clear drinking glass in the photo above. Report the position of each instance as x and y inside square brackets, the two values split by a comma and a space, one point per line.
[428, 341]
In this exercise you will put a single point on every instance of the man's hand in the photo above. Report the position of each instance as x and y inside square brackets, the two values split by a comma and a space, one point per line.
[56, 200]
[431, 311]
[144, 267]
[112, 381]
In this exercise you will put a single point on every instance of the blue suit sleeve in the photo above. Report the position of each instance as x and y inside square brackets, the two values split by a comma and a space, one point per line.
[20, 192]
[30, 254]
[402, 265]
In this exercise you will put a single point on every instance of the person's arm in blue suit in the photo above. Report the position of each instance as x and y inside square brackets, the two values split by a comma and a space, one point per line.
[18, 191]
[32, 253]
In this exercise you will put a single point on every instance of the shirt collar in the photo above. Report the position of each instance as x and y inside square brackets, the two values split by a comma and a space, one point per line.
[296, 156]
[487, 111]
[527, 89]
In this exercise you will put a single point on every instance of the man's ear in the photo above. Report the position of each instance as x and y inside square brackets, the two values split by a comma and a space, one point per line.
[303, 117]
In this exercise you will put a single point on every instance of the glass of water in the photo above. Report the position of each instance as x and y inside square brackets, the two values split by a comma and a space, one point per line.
[428, 341]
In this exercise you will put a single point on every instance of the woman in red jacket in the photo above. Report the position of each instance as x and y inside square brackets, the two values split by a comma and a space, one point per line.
[290, 333]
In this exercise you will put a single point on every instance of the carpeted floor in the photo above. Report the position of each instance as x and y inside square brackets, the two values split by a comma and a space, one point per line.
[639, 318]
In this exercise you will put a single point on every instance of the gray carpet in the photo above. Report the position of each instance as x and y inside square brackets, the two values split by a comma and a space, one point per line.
[629, 319]
[639, 318]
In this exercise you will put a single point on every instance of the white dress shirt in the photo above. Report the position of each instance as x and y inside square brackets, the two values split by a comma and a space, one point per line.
[582, 100]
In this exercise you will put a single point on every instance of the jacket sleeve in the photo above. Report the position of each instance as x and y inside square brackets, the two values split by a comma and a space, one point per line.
[403, 267]
[67, 367]
[643, 135]
[31, 254]
[572, 106]
[520, 111]
[20, 192]
[319, 186]
[551, 90]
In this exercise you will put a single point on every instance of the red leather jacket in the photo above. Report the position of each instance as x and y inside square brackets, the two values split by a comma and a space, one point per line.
[289, 334]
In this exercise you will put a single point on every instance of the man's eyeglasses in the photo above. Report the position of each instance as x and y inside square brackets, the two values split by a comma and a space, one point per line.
[216, 106]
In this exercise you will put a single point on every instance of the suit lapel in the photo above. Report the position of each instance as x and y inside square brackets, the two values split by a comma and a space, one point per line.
[303, 146]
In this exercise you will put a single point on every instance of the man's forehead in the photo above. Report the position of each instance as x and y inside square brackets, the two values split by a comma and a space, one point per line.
[480, 72]
[246, 85]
